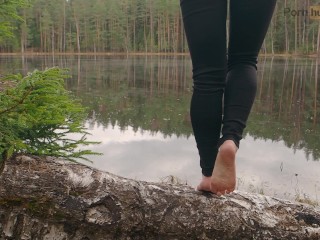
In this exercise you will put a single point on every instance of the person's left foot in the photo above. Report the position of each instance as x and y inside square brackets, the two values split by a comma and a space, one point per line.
[204, 184]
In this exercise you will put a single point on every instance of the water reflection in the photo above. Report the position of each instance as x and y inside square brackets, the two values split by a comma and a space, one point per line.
[139, 109]
[287, 102]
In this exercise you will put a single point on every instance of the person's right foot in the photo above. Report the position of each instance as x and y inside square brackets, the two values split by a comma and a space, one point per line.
[223, 179]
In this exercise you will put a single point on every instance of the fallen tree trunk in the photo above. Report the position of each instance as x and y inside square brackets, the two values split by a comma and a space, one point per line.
[46, 198]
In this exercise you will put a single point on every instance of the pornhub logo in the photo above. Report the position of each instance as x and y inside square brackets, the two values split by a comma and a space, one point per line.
[313, 12]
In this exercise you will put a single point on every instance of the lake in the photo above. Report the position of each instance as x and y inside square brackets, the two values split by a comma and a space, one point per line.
[139, 111]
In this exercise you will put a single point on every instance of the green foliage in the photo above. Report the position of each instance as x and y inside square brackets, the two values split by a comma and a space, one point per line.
[39, 116]
[110, 25]
[134, 26]
[102, 26]
[9, 13]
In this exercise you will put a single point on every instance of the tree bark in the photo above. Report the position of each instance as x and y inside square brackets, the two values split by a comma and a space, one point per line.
[46, 198]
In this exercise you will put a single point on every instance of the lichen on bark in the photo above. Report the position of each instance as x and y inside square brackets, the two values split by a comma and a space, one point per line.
[45, 197]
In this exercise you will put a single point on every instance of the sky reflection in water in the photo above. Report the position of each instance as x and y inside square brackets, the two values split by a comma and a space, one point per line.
[263, 166]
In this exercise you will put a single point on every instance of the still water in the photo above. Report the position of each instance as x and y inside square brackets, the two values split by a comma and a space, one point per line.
[139, 111]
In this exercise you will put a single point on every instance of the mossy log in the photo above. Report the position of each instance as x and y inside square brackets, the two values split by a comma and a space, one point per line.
[47, 198]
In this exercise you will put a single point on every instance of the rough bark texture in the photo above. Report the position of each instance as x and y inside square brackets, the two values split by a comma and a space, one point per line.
[46, 198]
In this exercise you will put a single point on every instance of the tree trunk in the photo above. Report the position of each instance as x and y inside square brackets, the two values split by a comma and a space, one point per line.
[286, 30]
[46, 198]
[78, 35]
[318, 41]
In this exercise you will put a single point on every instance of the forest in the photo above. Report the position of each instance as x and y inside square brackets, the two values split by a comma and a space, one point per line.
[146, 26]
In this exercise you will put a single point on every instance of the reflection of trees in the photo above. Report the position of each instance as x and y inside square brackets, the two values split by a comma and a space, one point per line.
[148, 93]
[153, 93]
[286, 106]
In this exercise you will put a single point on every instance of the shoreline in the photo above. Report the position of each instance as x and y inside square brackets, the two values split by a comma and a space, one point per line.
[137, 54]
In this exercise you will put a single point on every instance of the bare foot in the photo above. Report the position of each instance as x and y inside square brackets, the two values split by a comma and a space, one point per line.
[204, 184]
[223, 179]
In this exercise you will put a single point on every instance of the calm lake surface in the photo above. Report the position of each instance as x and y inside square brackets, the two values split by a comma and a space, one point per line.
[139, 110]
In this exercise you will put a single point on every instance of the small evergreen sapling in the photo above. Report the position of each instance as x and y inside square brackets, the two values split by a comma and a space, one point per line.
[39, 116]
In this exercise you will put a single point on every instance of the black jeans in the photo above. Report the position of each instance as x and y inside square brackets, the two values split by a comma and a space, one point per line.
[224, 78]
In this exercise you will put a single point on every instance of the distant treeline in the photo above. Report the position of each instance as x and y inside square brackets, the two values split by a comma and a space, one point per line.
[143, 26]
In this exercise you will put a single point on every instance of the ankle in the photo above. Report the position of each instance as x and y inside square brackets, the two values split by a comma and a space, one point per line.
[205, 177]
[228, 149]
